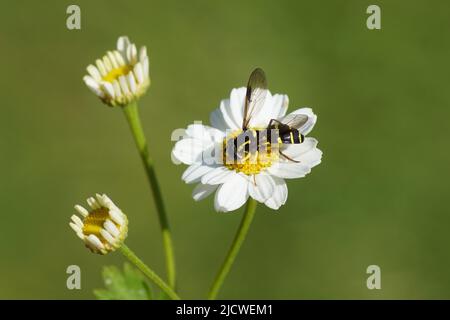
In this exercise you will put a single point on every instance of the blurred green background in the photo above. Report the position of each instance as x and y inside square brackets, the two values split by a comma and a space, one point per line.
[378, 197]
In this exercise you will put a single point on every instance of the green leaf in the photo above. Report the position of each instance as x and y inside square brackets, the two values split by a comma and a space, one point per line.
[128, 284]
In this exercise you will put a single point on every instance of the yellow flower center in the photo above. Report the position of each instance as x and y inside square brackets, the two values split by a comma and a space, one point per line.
[251, 162]
[93, 223]
[114, 74]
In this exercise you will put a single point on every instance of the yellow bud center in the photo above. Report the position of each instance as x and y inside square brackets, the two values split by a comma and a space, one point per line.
[116, 73]
[93, 223]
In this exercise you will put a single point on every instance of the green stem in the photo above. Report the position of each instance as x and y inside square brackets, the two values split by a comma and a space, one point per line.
[234, 249]
[132, 115]
[149, 273]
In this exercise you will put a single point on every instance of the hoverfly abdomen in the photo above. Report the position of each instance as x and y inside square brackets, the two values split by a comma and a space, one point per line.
[293, 136]
[288, 134]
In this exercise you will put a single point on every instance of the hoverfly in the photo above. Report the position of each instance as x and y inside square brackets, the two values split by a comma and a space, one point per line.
[252, 141]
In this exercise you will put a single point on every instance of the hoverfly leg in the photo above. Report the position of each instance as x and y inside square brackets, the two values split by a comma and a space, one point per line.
[278, 122]
[287, 157]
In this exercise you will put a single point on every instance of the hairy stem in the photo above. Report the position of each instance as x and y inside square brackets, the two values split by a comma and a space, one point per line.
[234, 249]
[132, 115]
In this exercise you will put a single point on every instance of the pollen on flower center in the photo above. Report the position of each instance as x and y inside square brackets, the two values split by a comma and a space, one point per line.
[246, 161]
[116, 73]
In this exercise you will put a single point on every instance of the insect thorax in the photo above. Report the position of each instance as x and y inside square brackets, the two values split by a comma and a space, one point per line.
[251, 151]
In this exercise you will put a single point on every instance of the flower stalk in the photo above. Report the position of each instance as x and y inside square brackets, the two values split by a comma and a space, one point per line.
[234, 249]
[132, 116]
[149, 273]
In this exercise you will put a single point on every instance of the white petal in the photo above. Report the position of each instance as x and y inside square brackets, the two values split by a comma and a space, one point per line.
[289, 170]
[90, 82]
[213, 154]
[107, 236]
[145, 67]
[263, 189]
[77, 221]
[279, 196]
[93, 203]
[189, 151]
[108, 87]
[232, 194]
[119, 58]
[205, 133]
[195, 172]
[142, 53]
[122, 46]
[131, 82]
[111, 228]
[138, 72]
[215, 134]
[218, 175]
[225, 108]
[132, 54]
[123, 43]
[217, 121]
[81, 235]
[117, 217]
[113, 60]
[99, 199]
[75, 227]
[295, 151]
[93, 86]
[124, 85]
[107, 201]
[101, 67]
[201, 191]
[198, 131]
[108, 65]
[306, 152]
[93, 71]
[106, 198]
[237, 103]
[95, 242]
[312, 158]
[116, 87]
[82, 210]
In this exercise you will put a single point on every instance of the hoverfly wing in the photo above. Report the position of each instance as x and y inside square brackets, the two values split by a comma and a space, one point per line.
[255, 96]
[295, 121]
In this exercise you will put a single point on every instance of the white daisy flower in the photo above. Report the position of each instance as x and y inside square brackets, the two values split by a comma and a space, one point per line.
[103, 227]
[121, 76]
[263, 179]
